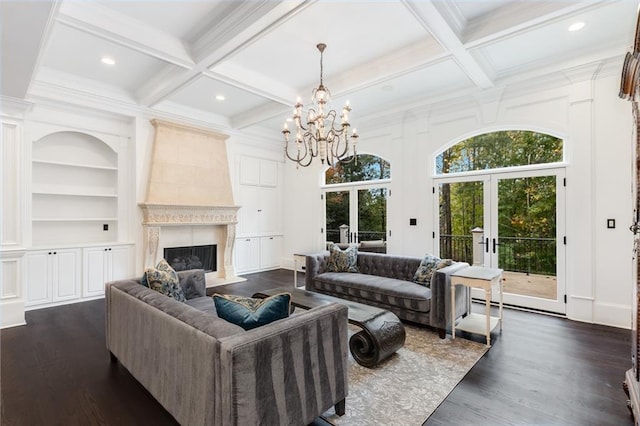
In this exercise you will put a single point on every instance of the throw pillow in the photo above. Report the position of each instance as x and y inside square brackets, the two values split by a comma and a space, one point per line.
[342, 261]
[371, 243]
[423, 274]
[163, 279]
[444, 263]
[248, 312]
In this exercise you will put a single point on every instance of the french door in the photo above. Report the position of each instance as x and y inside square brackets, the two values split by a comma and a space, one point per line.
[518, 222]
[357, 213]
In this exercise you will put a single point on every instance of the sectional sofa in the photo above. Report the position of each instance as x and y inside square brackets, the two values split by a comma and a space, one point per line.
[385, 281]
[206, 371]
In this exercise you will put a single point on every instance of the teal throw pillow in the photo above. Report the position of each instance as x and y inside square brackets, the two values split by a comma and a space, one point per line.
[342, 261]
[163, 279]
[424, 272]
[248, 312]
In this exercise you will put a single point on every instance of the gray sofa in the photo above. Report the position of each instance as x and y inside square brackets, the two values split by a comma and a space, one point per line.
[206, 371]
[385, 281]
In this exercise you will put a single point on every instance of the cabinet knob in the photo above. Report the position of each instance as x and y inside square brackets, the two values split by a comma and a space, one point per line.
[105, 249]
[55, 252]
[109, 248]
[248, 239]
[49, 252]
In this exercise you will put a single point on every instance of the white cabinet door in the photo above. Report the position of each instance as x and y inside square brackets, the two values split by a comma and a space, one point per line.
[249, 171]
[120, 263]
[249, 213]
[247, 254]
[259, 172]
[268, 211]
[66, 274]
[268, 173]
[104, 264]
[52, 276]
[270, 252]
[95, 271]
[38, 278]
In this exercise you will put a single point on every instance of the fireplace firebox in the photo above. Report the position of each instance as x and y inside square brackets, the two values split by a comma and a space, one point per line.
[192, 257]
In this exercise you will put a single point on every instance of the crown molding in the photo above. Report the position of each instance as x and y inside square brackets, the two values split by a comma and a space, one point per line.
[15, 108]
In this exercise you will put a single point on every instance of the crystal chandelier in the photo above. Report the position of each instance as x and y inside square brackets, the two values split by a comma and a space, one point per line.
[320, 137]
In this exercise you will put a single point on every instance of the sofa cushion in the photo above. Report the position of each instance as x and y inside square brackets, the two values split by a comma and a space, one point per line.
[204, 304]
[389, 291]
[249, 312]
[424, 272]
[342, 261]
[163, 279]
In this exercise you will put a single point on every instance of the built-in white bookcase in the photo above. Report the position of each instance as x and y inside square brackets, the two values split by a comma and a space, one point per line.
[74, 190]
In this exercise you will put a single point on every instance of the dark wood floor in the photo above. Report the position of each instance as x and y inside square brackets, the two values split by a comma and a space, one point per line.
[540, 370]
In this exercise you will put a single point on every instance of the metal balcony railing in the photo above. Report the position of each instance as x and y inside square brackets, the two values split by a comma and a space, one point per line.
[516, 254]
[333, 235]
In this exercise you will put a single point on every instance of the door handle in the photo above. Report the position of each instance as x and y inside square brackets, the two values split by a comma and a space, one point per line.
[485, 243]
[495, 243]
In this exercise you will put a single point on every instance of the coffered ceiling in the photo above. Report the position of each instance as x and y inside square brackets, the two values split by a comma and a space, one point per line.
[173, 57]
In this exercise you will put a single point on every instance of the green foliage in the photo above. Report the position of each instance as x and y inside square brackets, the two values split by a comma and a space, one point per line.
[500, 149]
[365, 168]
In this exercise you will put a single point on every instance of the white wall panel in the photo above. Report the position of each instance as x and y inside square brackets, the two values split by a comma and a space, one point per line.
[10, 195]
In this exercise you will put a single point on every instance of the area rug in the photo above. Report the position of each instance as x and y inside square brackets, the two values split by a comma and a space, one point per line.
[406, 388]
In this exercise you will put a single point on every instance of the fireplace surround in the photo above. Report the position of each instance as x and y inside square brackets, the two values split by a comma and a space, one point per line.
[189, 186]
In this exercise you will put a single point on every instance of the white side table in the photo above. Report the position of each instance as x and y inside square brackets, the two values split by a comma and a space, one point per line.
[483, 278]
[298, 257]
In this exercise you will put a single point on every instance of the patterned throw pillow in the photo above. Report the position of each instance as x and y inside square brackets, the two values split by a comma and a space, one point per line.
[248, 312]
[342, 261]
[425, 270]
[163, 279]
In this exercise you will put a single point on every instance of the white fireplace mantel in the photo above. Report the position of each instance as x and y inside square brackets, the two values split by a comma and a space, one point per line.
[174, 214]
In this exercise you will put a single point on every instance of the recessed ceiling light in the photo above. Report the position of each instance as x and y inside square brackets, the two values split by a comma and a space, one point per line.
[289, 119]
[220, 97]
[576, 26]
[108, 61]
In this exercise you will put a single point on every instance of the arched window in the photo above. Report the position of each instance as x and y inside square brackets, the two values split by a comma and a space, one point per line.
[495, 150]
[366, 167]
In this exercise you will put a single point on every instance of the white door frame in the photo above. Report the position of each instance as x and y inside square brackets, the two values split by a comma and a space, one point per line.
[490, 181]
[353, 204]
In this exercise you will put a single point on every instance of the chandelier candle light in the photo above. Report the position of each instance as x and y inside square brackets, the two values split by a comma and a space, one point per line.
[321, 138]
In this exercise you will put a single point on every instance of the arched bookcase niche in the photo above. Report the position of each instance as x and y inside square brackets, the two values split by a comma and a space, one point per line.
[74, 186]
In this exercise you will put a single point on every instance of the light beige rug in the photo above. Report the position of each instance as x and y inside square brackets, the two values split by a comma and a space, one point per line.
[406, 388]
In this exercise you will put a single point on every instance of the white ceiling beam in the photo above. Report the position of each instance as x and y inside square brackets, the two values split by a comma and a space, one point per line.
[108, 24]
[244, 24]
[434, 22]
[520, 16]
[21, 51]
